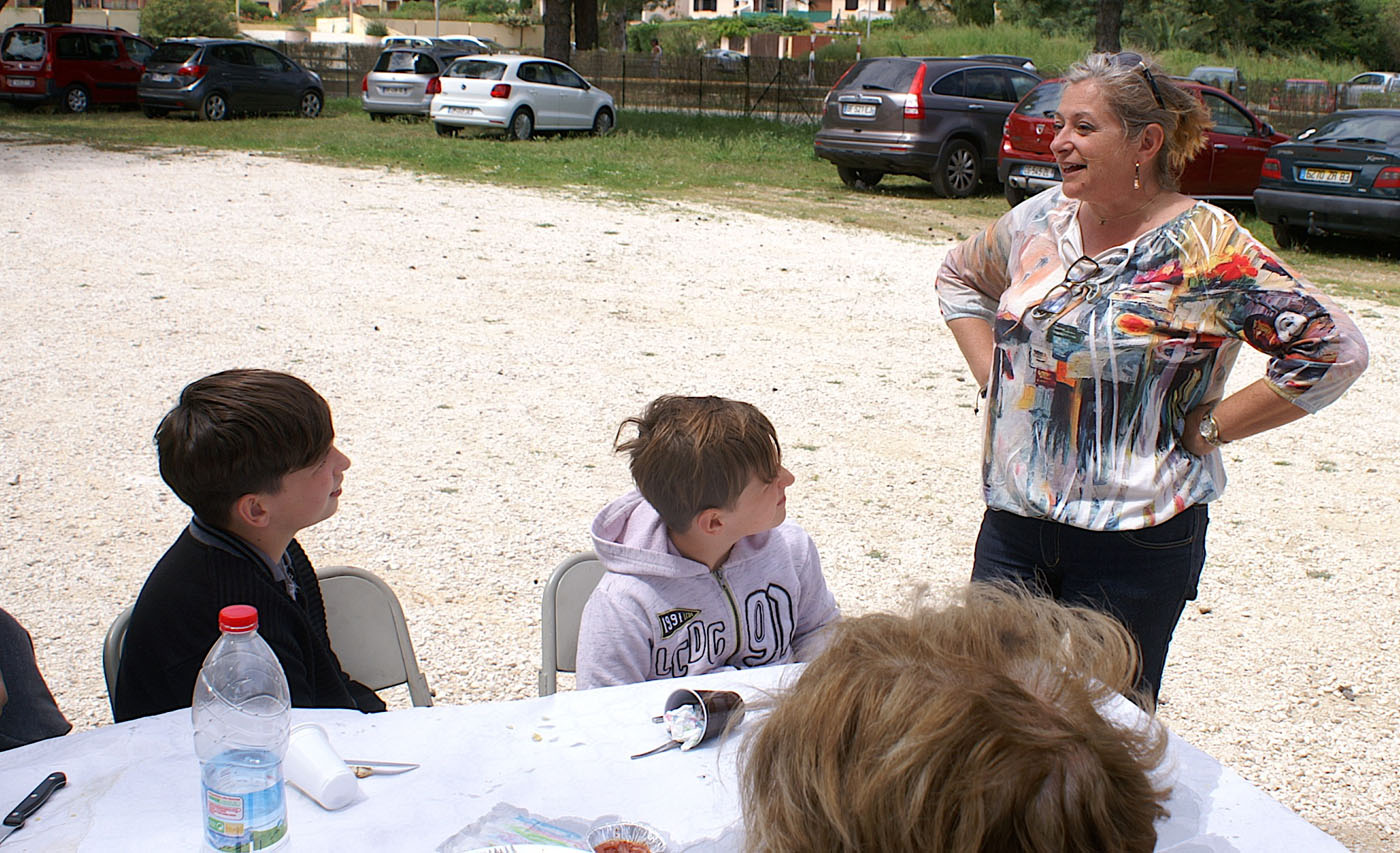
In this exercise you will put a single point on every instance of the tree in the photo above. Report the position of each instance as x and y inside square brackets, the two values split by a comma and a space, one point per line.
[586, 24]
[558, 18]
[58, 11]
[1108, 25]
[175, 18]
[981, 13]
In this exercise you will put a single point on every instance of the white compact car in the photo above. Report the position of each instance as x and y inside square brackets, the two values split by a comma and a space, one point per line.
[520, 95]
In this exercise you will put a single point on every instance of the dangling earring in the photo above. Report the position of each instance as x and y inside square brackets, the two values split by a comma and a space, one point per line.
[1137, 176]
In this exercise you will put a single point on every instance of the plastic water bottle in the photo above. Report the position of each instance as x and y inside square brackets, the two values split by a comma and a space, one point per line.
[241, 722]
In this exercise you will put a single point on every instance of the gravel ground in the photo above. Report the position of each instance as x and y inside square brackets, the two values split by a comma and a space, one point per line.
[479, 346]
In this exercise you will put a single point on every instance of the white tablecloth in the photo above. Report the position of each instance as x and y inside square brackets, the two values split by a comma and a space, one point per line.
[135, 786]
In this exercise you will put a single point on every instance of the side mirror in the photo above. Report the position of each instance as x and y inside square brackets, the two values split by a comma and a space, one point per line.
[1267, 131]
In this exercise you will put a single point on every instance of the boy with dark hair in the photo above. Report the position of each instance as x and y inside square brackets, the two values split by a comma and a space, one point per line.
[703, 572]
[252, 453]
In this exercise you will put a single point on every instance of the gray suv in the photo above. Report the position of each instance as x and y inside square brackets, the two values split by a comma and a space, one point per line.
[935, 117]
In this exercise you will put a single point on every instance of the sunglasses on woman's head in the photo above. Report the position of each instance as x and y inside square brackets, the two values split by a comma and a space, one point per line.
[1128, 59]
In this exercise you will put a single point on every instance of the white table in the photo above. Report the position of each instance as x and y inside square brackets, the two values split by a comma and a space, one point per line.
[135, 786]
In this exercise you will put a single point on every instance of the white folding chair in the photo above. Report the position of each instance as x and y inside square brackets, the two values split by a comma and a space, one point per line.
[564, 596]
[369, 633]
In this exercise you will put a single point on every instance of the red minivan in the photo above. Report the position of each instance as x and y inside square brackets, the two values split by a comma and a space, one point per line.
[1227, 169]
[72, 66]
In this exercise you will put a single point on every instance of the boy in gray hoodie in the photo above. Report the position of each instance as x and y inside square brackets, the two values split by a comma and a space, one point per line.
[703, 572]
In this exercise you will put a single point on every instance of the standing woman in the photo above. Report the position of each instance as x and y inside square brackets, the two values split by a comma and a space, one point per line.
[1101, 320]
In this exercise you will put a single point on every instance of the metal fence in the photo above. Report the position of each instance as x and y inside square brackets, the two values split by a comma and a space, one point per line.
[1291, 105]
[341, 66]
[783, 89]
[764, 87]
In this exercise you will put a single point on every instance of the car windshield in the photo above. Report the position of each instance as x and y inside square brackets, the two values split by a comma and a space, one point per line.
[882, 75]
[172, 52]
[1042, 101]
[477, 69]
[1375, 129]
[23, 46]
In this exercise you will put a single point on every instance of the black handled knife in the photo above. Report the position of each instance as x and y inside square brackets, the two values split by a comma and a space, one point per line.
[30, 804]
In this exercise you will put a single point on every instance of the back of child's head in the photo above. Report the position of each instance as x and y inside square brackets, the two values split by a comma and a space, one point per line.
[239, 432]
[691, 454]
[980, 722]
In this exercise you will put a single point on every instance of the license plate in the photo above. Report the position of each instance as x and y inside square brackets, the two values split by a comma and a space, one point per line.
[158, 77]
[1038, 171]
[461, 111]
[1326, 176]
[863, 110]
[394, 90]
[21, 82]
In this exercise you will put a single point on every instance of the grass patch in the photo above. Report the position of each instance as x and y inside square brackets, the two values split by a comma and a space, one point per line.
[746, 164]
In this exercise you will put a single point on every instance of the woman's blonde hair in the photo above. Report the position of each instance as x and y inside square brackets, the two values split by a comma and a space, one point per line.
[970, 728]
[1129, 93]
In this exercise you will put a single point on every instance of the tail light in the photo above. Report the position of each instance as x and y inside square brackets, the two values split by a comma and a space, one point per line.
[835, 86]
[500, 90]
[364, 83]
[1271, 169]
[914, 104]
[1389, 178]
[195, 71]
[434, 86]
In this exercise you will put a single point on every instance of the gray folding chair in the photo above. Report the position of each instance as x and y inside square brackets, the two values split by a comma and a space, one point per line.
[564, 596]
[112, 654]
[369, 633]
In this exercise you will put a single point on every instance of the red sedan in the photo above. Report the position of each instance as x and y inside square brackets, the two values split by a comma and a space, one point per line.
[1227, 169]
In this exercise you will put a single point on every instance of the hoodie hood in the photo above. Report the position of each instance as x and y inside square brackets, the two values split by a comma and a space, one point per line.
[630, 538]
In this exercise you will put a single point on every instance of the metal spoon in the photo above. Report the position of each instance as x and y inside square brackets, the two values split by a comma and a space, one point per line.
[362, 768]
[670, 744]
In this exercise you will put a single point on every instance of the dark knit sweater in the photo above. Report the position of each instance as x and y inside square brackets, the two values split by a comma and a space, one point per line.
[176, 622]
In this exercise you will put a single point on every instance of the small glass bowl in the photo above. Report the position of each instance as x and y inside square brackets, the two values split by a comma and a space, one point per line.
[637, 832]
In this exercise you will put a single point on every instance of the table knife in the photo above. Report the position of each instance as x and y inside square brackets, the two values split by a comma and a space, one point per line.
[30, 804]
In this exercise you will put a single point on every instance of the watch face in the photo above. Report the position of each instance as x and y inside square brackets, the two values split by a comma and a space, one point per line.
[1210, 431]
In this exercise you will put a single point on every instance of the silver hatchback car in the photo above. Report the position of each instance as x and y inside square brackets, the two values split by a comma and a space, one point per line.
[403, 80]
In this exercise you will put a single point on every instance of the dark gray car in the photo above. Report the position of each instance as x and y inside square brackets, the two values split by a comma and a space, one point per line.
[935, 117]
[401, 82]
[218, 77]
[1339, 176]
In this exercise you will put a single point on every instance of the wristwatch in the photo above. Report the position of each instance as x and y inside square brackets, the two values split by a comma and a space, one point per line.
[1210, 431]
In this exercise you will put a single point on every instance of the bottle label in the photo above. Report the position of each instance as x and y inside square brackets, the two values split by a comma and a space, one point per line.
[245, 823]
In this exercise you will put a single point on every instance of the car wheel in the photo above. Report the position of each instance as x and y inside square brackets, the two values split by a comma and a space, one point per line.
[522, 125]
[214, 107]
[75, 99]
[959, 170]
[310, 104]
[1290, 236]
[155, 112]
[1014, 195]
[444, 129]
[603, 123]
[859, 179]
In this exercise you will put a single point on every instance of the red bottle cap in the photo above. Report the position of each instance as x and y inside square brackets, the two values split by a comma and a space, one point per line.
[238, 619]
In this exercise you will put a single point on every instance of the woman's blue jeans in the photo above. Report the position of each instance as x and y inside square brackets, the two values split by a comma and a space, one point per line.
[1142, 577]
